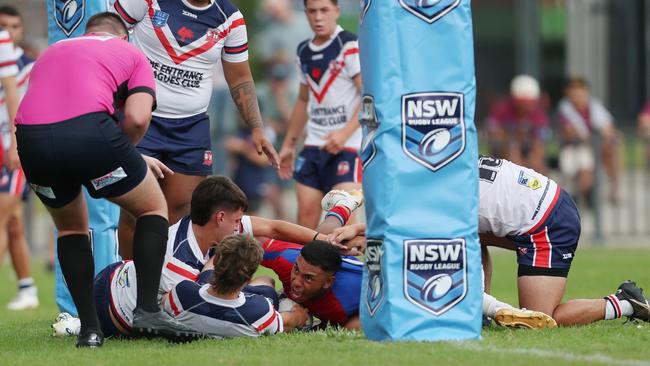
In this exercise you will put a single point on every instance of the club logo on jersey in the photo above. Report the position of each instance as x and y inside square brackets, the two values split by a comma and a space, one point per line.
[433, 128]
[522, 250]
[365, 5]
[528, 180]
[186, 34]
[123, 278]
[343, 168]
[212, 34]
[159, 18]
[435, 274]
[375, 290]
[429, 10]
[68, 14]
[207, 158]
[369, 126]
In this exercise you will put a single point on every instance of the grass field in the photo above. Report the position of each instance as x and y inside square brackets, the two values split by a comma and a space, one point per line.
[25, 337]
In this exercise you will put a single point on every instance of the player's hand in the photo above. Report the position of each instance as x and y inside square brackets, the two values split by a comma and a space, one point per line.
[264, 146]
[300, 314]
[158, 169]
[287, 157]
[11, 159]
[335, 141]
[342, 234]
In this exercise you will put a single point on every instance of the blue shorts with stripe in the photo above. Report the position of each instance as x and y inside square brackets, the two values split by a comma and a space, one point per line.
[183, 144]
[319, 169]
[549, 248]
[14, 183]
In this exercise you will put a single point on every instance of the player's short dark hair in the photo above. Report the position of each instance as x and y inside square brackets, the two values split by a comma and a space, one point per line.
[236, 259]
[323, 255]
[215, 193]
[9, 10]
[108, 20]
[335, 2]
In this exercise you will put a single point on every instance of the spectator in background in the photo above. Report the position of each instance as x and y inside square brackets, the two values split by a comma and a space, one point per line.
[580, 116]
[644, 130]
[518, 126]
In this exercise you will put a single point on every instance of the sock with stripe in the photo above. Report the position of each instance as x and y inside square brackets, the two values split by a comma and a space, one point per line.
[27, 285]
[615, 308]
[341, 213]
[149, 244]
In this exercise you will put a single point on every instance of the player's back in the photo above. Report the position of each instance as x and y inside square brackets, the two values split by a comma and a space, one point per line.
[249, 315]
[83, 75]
[513, 199]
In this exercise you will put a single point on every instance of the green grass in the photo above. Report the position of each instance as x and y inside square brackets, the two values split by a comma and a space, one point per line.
[25, 337]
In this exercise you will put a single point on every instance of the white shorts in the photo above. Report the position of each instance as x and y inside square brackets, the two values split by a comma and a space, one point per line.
[574, 158]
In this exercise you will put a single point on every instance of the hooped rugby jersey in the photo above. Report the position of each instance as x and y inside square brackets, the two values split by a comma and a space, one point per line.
[183, 261]
[514, 200]
[339, 303]
[328, 70]
[24, 66]
[250, 315]
[183, 43]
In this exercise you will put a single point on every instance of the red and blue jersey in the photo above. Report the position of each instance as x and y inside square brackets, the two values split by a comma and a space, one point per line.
[339, 303]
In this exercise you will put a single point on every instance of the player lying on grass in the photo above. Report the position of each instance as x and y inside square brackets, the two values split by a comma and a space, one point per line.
[217, 210]
[522, 210]
[231, 305]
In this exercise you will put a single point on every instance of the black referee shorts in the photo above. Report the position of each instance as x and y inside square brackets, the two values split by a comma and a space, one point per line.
[88, 150]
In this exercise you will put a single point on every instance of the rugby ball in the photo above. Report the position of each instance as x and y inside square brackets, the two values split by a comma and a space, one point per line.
[286, 304]
[436, 287]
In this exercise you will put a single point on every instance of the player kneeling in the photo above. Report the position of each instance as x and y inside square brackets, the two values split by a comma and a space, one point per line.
[226, 306]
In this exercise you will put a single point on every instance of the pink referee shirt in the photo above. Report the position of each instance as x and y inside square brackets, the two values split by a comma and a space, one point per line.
[83, 75]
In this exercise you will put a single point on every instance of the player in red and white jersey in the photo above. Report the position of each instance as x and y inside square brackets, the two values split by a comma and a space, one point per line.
[328, 103]
[13, 185]
[525, 211]
[183, 39]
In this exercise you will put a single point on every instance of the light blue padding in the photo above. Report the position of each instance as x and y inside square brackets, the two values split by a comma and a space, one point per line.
[103, 215]
[103, 218]
[405, 51]
[68, 18]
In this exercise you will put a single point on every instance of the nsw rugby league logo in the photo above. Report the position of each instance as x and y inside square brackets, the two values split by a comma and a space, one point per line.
[429, 10]
[435, 273]
[365, 5]
[68, 14]
[433, 128]
[375, 291]
[369, 126]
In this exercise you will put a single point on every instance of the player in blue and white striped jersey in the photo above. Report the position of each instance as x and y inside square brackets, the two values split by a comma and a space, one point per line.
[227, 306]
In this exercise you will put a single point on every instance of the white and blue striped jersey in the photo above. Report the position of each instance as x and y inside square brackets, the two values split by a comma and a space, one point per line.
[183, 43]
[328, 71]
[19, 61]
[250, 315]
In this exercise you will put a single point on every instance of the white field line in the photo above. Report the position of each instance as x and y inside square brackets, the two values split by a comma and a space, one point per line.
[548, 354]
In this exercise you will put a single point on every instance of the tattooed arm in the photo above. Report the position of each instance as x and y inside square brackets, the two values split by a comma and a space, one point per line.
[242, 88]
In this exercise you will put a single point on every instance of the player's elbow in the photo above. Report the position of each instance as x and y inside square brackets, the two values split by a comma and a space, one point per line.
[137, 118]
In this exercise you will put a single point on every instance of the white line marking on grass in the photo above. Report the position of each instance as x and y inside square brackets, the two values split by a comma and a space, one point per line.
[559, 354]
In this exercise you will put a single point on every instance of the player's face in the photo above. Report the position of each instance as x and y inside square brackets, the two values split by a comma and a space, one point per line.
[308, 281]
[322, 16]
[13, 25]
[578, 95]
[227, 222]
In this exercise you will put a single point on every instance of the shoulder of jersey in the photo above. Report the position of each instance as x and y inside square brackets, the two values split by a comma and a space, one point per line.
[346, 36]
[302, 45]
[226, 7]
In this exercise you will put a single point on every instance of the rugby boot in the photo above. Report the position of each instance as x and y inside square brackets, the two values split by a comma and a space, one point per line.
[161, 324]
[522, 318]
[629, 291]
[350, 199]
[92, 338]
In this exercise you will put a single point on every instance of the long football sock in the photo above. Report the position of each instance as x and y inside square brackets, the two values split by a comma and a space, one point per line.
[615, 308]
[491, 305]
[78, 268]
[149, 244]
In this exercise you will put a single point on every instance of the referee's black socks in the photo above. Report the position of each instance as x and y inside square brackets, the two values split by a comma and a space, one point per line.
[78, 268]
[149, 245]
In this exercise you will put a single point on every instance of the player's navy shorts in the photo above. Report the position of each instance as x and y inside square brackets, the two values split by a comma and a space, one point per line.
[319, 169]
[183, 144]
[88, 150]
[103, 299]
[550, 250]
[14, 182]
